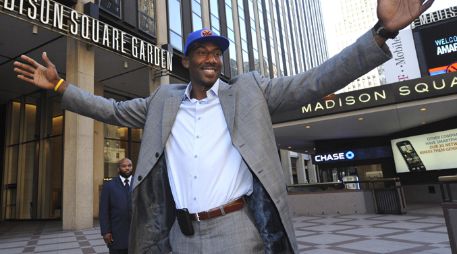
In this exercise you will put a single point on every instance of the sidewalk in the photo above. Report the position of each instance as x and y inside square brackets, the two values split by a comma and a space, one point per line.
[421, 231]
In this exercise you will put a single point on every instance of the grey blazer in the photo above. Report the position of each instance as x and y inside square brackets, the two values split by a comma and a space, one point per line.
[247, 101]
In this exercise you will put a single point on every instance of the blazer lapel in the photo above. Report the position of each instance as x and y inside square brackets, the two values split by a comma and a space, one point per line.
[170, 111]
[227, 99]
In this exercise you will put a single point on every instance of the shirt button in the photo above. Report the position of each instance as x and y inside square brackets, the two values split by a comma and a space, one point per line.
[198, 136]
[199, 118]
[195, 198]
[195, 156]
[195, 177]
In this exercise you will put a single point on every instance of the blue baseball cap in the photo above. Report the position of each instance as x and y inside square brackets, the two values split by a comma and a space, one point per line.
[203, 35]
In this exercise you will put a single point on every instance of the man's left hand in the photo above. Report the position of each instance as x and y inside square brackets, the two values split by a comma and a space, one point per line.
[397, 14]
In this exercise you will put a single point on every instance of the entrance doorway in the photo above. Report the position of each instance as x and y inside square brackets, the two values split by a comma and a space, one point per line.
[32, 169]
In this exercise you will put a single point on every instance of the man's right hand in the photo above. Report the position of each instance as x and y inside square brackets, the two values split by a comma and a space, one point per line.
[43, 77]
[108, 238]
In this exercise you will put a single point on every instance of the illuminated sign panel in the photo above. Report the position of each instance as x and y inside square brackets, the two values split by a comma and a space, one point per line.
[431, 151]
[439, 45]
[349, 155]
[436, 16]
[409, 90]
[67, 21]
[358, 154]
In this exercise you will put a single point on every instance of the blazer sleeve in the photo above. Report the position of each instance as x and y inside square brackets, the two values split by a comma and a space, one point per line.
[354, 61]
[130, 113]
[104, 210]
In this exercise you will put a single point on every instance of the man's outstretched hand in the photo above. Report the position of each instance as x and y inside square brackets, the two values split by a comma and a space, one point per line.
[397, 14]
[31, 71]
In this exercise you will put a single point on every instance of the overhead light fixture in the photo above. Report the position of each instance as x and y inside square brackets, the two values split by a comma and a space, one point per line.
[360, 118]
[289, 147]
[307, 126]
[34, 29]
[423, 109]
[424, 123]
[126, 65]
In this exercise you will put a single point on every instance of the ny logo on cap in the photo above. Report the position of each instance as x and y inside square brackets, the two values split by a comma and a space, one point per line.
[206, 33]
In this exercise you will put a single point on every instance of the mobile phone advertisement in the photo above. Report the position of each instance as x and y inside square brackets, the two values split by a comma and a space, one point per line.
[431, 151]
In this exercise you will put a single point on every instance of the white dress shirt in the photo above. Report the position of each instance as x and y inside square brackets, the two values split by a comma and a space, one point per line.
[204, 168]
[123, 179]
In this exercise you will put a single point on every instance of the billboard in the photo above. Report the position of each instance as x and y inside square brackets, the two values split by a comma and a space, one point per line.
[439, 47]
[432, 151]
[403, 65]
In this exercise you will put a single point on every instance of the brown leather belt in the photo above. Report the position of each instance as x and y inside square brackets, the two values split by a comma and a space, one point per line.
[219, 211]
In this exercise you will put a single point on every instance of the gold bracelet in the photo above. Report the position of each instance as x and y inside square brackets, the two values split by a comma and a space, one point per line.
[58, 85]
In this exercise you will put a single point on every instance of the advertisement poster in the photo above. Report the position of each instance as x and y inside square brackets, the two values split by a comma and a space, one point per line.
[432, 151]
[403, 65]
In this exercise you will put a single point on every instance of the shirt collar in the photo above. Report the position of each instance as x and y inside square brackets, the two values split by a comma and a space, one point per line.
[123, 179]
[213, 92]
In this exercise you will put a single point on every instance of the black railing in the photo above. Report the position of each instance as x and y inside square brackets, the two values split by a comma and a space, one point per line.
[449, 208]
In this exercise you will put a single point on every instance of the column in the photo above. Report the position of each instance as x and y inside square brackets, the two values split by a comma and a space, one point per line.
[312, 172]
[79, 143]
[156, 76]
[236, 28]
[99, 156]
[286, 167]
[301, 174]
[205, 13]
[259, 37]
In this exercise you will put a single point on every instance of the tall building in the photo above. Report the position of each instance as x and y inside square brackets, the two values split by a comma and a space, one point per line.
[53, 162]
[352, 18]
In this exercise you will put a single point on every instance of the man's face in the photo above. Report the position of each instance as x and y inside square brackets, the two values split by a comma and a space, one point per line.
[204, 63]
[125, 168]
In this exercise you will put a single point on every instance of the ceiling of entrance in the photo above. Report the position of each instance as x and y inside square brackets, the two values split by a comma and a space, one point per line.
[128, 77]
[114, 71]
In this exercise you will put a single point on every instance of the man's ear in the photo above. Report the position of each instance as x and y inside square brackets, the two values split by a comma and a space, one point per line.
[185, 62]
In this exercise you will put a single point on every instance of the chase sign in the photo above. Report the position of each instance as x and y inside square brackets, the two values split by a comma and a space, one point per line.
[333, 157]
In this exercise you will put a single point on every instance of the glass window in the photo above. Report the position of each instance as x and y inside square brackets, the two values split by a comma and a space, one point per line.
[114, 150]
[174, 21]
[146, 16]
[120, 142]
[214, 11]
[197, 22]
[176, 40]
[243, 35]
[111, 6]
[196, 7]
[263, 43]
[231, 37]
[115, 132]
[56, 116]
[14, 123]
[272, 38]
[30, 120]
[278, 36]
[255, 45]
[33, 157]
